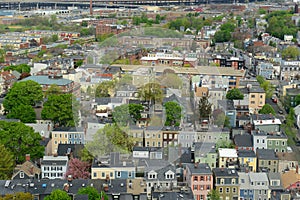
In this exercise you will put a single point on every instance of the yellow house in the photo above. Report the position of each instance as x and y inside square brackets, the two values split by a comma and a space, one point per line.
[247, 159]
[153, 136]
[256, 97]
[114, 169]
[227, 158]
[293, 85]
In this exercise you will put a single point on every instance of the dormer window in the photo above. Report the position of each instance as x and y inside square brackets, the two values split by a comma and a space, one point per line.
[152, 175]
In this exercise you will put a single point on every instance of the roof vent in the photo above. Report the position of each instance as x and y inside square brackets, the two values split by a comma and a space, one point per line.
[44, 185]
[122, 184]
[83, 185]
[52, 184]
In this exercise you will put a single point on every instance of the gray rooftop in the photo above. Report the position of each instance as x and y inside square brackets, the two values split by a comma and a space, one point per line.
[45, 80]
[199, 168]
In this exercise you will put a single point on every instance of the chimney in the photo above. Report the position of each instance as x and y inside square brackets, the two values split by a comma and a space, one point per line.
[297, 169]
[91, 7]
[27, 157]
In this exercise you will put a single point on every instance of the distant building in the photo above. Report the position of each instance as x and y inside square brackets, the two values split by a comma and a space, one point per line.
[54, 167]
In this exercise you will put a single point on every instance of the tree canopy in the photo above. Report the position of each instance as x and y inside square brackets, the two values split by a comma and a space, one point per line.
[23, 95]
[7, 163]
[290, 53]
[20, 140]
[267, 109]
[214, 195]
[127, 114]
[204, 108]
[53, 89]
[171, 80]
[18, 196]
[151, 92]
[105, 89]
[297, 99]
[58, 195]
[173, 113]
[112, 139]
[266, 85]
[234, 94]
[22, 68]
[61, 109]
[93, 193]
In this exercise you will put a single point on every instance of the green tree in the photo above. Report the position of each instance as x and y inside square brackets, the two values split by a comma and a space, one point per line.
[61, 109]
[171, 80]
[22, 68]
[25, 113]
[2, 55]
[290, 52]
[86, 156]
[297, 99]
[268, 88]
[7, 163]
[151, 92]
[24, 93]
[267, 109]
[54, 38]
[222, 36]
[112, 139]
[18, 196]
[127, 114]
[20, 140]
[105, 89]
[260, 79]
[214, 195]
[58, 195]
[204, 108]
[234, 94]
[91, 192]
[173, 113]
[53, 89]
[125, 80]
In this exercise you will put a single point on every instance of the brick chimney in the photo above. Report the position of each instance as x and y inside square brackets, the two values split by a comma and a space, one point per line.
[27, 157]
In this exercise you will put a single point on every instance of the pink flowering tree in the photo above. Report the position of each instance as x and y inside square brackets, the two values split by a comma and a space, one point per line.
[78, 169]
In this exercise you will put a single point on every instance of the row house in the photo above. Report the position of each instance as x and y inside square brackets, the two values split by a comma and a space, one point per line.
[227, 183]
[228, 158]
[103, 28]
[54, 167]
[254, 185]
[289, 70]
[199, 178]
[147, 153]
[168, 59]
[7, 79]
[290, 98]
[256, 97]
[266, 70]
[205, 152]
[115, 168]
[267, 160]
[160, 179]
[247, 160]
[66, 135]
[225, 61]
[184, 43]
[170, 136]
[266, 122]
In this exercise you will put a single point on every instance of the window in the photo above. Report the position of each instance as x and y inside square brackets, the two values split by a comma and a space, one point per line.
[118, 174]
[252, 96]
[283, 143]
[222, 181]
[129, 174]
[21, 174]
[195, 187]
[221, 190]
[227, 190]
[165, 136]
[234, 190]
[95, 174]
[195, 178]
[103, 174]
